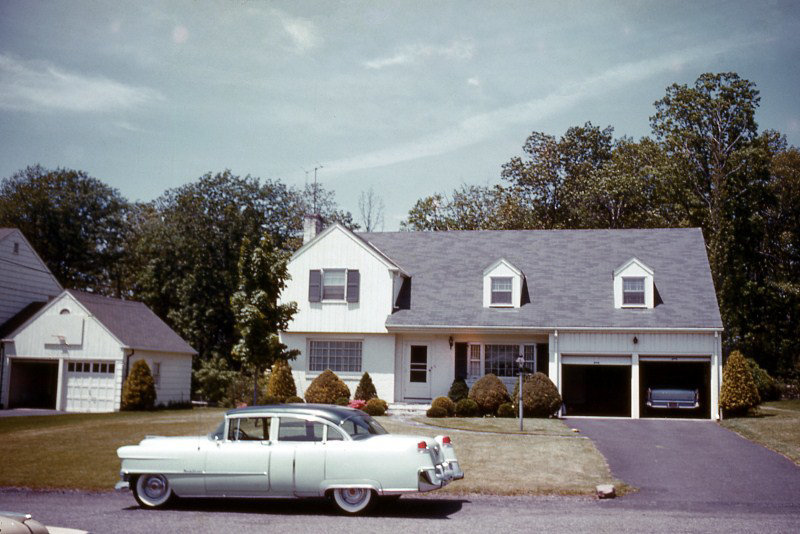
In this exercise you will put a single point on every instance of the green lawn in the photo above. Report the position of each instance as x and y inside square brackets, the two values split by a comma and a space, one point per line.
[776, 426]
[79, 451]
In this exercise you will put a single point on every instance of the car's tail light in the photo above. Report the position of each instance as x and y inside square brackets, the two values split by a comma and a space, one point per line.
[446, 440]
[422, 445]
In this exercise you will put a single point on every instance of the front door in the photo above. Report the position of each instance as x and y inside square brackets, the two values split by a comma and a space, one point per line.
[417, 372]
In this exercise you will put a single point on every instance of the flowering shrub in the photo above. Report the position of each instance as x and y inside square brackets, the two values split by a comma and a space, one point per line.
[358, 404]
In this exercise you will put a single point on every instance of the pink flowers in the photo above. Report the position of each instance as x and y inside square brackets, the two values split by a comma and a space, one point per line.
[358, 404]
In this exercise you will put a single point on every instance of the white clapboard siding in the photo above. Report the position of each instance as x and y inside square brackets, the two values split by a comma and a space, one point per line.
[667, 343]
[24, 278]
[338, 249]
[175, 381]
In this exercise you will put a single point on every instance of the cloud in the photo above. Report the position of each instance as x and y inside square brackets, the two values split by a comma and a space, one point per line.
[480, 127]
[38, 86]
[460, 50]
[302, 32]
[474, 82]
[180, 34]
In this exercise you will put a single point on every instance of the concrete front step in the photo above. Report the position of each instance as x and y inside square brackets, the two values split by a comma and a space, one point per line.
[406, 408]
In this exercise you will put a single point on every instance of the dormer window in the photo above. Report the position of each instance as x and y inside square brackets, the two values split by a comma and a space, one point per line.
[502, 290]
[633, 285]
[633, 291]
[502, 285]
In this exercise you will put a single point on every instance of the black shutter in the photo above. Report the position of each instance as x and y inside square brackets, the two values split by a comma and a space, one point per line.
[353, 282]
[543, 358]
[315, 286]
[461, 361]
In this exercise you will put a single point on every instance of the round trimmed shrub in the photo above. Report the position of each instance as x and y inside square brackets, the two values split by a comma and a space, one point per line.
[139, 389]
[327, 388]
[506, 410]
[467, 408]
[489, 393]
[281, 384]
[342, 401]
[294, 400]
[458, 390]
[366, 389]
[376, 407]
[268, 399]
[540, 397]
[446, 404]
[739, 393]
[436, 411]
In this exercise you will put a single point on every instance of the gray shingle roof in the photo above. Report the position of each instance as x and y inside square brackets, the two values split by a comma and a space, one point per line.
[569, 276]
[4, 232]
[133, 323]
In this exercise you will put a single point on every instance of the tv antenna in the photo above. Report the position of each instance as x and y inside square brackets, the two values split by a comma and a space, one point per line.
[314, 191]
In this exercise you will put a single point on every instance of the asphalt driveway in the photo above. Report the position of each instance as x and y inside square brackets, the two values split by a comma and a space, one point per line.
[692, 462]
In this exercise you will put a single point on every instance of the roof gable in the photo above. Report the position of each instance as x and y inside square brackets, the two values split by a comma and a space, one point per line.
[380, 256]
[132, 323]
[632, 261]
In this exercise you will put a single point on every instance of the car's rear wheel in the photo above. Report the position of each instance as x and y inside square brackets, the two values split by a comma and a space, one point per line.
[152, 491]
[353, 500]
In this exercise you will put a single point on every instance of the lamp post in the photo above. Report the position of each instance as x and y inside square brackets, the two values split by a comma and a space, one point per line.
[521, 364]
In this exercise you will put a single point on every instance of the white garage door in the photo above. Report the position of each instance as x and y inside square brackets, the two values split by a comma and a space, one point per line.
[90, 387]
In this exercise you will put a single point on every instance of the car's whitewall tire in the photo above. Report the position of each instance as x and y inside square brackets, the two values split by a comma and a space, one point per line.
[152, 491]
[353, 500]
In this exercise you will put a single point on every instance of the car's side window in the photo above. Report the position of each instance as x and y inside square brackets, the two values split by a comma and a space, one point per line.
[334, 434]
[292, 429]
[249, 428]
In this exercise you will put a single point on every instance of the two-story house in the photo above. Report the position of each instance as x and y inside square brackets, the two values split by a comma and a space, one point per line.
[606, 314]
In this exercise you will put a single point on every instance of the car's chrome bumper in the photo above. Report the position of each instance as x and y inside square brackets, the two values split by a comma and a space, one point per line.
[439, 476]
[124, 483]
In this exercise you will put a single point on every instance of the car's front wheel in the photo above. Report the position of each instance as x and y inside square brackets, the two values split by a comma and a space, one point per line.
[152, 491]
[353, 500]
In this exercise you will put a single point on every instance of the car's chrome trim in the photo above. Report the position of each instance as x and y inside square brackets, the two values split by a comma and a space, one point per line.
[122, 485]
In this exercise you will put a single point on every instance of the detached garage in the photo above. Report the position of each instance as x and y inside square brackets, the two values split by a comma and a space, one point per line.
[75, 352]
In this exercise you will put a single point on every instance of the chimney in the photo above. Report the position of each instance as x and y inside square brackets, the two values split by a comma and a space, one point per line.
[312, 225]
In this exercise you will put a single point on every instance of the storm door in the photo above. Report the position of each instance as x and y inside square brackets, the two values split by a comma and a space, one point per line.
[417, 372]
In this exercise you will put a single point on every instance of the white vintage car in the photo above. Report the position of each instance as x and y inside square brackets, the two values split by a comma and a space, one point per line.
[289, 450]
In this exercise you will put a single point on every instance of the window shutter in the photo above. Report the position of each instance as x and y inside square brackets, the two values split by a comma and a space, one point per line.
[461, 361]
[353, 283]
[315, 286]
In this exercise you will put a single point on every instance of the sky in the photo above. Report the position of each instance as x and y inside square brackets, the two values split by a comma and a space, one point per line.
[407, 98]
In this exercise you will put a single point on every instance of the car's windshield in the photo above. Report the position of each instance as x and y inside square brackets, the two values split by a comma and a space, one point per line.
[218, 433]
[362, 426]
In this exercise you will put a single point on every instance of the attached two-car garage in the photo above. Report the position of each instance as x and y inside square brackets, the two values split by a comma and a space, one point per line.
[603, 385]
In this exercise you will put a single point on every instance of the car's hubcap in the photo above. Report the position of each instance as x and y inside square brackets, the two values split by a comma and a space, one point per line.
[155, 487]
[354, 495]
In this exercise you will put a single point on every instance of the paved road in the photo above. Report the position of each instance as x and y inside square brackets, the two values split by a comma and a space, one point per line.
[695, 463]
[117, 513]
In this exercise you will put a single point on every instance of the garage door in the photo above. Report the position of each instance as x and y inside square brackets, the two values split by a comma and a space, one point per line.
[691, 373]
[33, 384]
[596, 385]
[90, 387]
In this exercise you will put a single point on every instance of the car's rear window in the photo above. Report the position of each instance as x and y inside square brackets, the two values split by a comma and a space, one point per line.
[362, 426]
